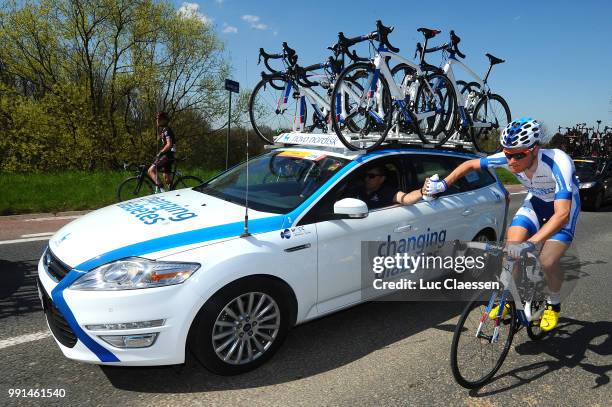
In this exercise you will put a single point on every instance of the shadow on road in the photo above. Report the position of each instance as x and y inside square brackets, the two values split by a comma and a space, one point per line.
[18, 293]
[310, 349]
[567, 347]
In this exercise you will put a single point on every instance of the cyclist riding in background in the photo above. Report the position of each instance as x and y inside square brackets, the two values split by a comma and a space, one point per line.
[165, 156]
[550, 211]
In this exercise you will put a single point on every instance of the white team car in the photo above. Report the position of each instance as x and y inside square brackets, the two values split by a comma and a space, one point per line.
[140, 282]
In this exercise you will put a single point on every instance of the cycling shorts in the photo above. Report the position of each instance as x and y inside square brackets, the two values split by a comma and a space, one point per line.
[535, 213]
[164, 162]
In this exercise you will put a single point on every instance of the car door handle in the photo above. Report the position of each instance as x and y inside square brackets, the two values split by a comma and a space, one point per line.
[296, 248]
[467, 212]
[403, 228]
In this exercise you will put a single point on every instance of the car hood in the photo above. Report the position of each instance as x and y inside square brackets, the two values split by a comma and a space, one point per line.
[143, 219]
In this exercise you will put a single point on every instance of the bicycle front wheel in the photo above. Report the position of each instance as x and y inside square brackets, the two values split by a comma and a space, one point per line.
[134, 187]
[360, 107]
[274, 106]
[434, 107]
[187, 181]
[475, 357]
[493, 112]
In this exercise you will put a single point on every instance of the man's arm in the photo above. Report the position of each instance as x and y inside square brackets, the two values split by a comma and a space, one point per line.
[463, 168]
[556, 221]
[408, 198]
[166, 147]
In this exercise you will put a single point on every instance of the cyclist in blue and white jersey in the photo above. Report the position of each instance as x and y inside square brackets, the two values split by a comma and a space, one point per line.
[550, 211]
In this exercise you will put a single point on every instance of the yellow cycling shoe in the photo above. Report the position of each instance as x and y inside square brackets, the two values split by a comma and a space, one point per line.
[495, 310]
[550, 317]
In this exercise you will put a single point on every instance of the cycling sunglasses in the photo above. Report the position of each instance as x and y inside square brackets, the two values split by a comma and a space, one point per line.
[517, 156]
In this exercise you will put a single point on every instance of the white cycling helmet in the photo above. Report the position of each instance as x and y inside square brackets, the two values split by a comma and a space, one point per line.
[523, 132]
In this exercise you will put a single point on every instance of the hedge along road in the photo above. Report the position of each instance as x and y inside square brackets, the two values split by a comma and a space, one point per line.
[373, 354]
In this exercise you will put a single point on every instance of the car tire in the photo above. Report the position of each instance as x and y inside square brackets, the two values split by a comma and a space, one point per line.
[227, 341]
[483, 236]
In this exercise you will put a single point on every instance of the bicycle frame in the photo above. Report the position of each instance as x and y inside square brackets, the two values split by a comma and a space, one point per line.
[448, 71]
[320, 106]
[506, 278]
[398, 94]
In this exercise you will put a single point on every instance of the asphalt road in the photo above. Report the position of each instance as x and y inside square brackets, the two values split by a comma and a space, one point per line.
[375, 354]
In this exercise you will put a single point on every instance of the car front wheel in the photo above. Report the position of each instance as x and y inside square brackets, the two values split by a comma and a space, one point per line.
[241, 326]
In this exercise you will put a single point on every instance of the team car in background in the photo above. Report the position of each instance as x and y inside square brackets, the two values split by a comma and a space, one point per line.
[143, 281]
[595, 177]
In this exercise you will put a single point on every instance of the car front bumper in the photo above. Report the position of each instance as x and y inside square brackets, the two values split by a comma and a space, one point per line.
[176, 305]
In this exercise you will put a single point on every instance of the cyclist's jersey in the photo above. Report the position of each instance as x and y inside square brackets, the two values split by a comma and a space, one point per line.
[166, 134]
[553, 179]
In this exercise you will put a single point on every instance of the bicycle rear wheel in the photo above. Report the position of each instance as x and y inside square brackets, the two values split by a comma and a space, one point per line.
[475, 359]
[187, 181]
[134, 187]
[490, 109]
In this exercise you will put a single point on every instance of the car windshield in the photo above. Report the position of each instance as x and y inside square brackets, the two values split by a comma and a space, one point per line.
[585, 167]
[278, 181]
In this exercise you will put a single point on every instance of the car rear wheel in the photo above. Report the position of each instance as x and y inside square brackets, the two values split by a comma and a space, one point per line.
[241, 326]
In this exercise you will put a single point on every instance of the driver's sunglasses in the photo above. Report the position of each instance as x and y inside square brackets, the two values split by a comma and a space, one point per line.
[517, 156]
[372, 175]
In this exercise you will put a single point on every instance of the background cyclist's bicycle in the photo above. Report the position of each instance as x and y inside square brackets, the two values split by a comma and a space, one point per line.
[141, 183]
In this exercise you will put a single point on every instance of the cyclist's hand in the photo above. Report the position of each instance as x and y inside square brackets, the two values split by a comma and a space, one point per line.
[434, 187]
[517, 250]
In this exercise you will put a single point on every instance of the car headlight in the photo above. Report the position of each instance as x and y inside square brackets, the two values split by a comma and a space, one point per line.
[585, 185]
[133, 273]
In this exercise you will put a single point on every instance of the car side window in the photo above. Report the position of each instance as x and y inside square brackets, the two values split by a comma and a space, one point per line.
[424, 166]
[354, 186]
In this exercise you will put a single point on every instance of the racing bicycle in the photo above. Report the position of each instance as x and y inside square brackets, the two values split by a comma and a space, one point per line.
[423, 106]
[479, 113]
[480, 344]
[141, 183]
[280, 101]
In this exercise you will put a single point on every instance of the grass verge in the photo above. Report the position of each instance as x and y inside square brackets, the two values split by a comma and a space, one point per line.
[65, 191]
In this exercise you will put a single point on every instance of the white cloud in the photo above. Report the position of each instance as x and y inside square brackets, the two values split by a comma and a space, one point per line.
[229, 29]
[192, 10]
[254, 21]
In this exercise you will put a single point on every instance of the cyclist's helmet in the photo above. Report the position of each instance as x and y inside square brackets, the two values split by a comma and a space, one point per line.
[524, 132]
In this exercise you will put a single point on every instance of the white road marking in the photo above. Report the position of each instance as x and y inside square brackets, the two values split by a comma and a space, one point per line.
[38, 234]
[53, 218]
[29, 239]
[518, 193]
[5, 343]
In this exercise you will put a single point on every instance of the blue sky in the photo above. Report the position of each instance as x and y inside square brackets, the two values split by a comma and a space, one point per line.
[558, 53]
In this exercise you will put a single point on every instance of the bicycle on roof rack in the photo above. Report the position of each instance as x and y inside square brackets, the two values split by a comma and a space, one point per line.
[479, 112]
[280, 101]
[424, 106]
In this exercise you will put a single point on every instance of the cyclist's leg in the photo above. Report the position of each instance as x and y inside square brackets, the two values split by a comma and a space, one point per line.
[153, 172]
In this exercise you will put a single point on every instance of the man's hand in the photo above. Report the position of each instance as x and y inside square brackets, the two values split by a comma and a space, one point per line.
[434, 187]
[517, 250]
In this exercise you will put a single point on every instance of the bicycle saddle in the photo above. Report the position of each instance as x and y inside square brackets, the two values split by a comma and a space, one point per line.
[429, 33]
[494, 60]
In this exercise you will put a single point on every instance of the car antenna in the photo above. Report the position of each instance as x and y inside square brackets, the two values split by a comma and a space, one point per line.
[246, 233]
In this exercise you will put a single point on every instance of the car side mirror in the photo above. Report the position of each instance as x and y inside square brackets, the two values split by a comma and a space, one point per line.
[352, 208]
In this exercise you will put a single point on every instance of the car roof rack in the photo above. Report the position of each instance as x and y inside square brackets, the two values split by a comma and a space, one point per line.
[331, 142]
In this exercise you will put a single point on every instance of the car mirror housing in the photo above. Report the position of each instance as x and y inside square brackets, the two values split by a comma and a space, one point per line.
[351, 208]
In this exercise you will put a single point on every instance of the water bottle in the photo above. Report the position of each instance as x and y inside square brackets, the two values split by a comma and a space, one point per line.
[431, 197]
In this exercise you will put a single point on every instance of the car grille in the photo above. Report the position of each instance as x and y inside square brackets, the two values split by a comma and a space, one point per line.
[59, 326]
[54, 266]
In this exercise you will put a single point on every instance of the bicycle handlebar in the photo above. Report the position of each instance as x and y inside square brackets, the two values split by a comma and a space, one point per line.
[383, 35]
[455, 40]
